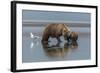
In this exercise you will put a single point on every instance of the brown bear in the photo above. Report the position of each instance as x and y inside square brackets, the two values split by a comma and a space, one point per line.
[55, 31]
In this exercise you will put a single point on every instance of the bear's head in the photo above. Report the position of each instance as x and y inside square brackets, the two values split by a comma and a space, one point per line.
[73, 36]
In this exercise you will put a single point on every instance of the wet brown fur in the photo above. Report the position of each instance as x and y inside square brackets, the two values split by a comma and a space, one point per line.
[55, 31]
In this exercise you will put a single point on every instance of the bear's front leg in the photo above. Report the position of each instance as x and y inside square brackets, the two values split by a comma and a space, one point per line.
[68, 39]
[59, 40]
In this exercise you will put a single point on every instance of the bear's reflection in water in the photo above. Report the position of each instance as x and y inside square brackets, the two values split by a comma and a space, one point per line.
[58, 50]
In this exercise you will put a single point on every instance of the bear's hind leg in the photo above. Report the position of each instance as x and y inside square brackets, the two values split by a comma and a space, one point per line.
[45, 39]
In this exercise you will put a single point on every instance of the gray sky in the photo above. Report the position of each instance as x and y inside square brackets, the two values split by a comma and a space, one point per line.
[53, 15]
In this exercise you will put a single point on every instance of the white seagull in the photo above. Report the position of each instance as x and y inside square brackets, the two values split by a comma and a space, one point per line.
[35, 40]
[33, 36]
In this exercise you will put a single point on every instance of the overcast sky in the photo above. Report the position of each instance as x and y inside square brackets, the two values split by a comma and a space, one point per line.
[53, 15]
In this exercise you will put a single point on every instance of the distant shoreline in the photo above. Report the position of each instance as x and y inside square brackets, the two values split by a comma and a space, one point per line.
[69, 24]
[45, 22]
[42, 25]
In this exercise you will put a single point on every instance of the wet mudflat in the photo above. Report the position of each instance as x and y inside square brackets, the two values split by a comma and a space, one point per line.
[35, 51]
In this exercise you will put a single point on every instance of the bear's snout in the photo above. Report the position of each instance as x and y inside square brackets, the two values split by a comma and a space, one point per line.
[74, 36]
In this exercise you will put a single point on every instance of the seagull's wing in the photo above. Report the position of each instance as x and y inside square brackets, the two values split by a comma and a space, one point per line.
[31, 35]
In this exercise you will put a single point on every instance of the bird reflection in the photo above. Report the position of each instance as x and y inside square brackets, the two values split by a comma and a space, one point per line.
[59, 51]
[34, 43]
[35, 40]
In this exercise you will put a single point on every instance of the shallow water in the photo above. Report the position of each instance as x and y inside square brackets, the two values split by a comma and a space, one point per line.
[35, 51]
